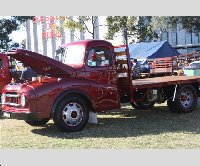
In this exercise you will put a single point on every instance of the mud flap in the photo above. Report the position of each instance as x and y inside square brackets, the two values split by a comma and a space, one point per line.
[93, 118]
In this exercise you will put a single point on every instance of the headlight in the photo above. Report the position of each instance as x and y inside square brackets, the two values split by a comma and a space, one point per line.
[3, 98]
[23, 100]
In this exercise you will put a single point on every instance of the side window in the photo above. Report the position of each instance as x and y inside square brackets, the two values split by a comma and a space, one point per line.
[1, 63]
[99, 56]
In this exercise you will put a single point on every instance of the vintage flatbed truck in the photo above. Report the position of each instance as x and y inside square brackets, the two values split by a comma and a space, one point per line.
[84, 77]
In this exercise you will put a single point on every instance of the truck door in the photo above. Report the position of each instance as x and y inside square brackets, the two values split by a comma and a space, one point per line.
[100, 67]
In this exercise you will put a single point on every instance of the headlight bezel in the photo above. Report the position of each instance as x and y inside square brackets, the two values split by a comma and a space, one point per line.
[23, 100]
[3, 98]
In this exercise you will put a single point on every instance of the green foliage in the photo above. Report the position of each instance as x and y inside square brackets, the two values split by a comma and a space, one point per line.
[119, 23]
[159, 23]
[23, 44]
[144, 29]
[189, 23]
[73, 25]
[7, 26]
[22, 19]
[138, 27]
[147, 28]
[82, 24]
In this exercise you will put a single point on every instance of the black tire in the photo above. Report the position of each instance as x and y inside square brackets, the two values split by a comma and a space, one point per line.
[63, 116]
[170, 105]
[142, 105]
[185, 100]
[37, 122]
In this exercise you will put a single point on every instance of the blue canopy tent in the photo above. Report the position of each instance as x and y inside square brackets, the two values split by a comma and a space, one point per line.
[152, 50]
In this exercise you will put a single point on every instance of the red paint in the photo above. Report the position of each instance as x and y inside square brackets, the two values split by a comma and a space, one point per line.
[99, 84]
[4, 71]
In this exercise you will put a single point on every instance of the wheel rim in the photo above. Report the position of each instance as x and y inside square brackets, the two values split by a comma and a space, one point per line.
[186, 98]
[72, 114]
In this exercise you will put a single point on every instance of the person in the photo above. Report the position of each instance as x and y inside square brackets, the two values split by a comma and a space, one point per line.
[147, 66]
[101, 59]
[97, 59]
[120, 66]
[135, 69]
[27, 74]
[181, 73]
[186, 64]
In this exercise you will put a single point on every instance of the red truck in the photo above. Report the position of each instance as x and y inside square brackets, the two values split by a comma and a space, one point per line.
[83, 77]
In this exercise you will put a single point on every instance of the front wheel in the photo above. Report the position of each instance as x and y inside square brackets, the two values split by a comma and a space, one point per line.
[185, 100]
[142, 105]
[71, 114]
[37, 122]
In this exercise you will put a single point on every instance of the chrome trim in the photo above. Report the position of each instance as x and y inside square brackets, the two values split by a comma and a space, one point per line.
[11, 95]
[11, 104]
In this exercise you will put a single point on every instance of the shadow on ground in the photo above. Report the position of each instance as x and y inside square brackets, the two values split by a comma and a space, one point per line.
[131, 123]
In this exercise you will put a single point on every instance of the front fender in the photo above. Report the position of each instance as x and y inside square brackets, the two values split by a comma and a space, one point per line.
[66, 93]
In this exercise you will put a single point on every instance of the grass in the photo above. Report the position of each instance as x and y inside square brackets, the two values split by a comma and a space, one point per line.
[128, 129]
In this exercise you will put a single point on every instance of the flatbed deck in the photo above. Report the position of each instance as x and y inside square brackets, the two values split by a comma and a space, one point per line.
[163, 81]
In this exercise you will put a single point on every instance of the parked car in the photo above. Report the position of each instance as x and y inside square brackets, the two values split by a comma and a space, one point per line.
[144, 66]
[193, 69]
[194, 65]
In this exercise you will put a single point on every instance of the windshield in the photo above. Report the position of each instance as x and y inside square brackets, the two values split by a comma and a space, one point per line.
[70, 55]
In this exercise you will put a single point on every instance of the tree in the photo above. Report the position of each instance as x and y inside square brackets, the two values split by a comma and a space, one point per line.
[7, 26]
[82, 23]
[118, 24]
[138, 28]
[23, 43]
[189, 23]
[15, 45]
[22, 19]
[144, 29]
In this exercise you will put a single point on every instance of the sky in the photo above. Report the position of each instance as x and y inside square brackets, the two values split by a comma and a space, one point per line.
[19, 35]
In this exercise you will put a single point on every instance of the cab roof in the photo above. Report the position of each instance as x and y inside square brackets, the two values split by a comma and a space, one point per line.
[88, 42]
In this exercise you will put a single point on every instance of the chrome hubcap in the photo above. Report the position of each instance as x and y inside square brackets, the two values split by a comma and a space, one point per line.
[186, 98]
[72, 114]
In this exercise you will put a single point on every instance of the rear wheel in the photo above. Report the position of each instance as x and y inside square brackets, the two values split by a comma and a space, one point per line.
[71, 114]
[185, 100]
[142, 105]
[37, 122]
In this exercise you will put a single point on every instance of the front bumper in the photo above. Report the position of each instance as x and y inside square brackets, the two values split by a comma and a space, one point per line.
[19, 116]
